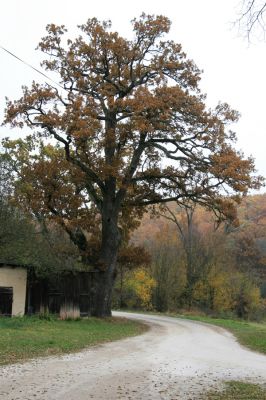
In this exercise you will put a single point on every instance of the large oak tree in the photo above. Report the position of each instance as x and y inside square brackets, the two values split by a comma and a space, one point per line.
[131, 130]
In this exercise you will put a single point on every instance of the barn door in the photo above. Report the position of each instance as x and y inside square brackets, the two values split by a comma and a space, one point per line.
[6, 300]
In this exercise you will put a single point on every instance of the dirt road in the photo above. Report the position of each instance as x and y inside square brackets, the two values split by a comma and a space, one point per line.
[175, 359]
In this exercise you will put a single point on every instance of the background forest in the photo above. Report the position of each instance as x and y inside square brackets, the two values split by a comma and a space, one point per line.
[197, 265]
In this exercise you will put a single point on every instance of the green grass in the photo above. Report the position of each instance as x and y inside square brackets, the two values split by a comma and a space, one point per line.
[23, 338]
[250, 334]
[239, 391]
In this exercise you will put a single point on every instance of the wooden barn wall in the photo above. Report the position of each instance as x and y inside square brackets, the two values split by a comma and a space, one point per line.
[69, 295]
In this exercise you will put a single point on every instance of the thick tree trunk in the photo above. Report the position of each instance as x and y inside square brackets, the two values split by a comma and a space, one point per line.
[102, 304]
[104, 279]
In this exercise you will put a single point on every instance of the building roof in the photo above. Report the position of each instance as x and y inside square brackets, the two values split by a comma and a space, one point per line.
[13, 265]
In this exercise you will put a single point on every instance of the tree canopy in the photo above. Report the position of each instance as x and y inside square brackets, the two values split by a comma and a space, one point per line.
[129, 129]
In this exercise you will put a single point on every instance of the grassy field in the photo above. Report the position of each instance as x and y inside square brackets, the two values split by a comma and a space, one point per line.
[239, 391]
[29, 337]
[250, 334]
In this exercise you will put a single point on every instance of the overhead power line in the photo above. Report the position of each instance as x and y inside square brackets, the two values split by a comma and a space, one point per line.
[32, 67]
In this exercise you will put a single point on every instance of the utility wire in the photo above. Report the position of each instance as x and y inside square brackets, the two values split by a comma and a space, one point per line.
[31, 66]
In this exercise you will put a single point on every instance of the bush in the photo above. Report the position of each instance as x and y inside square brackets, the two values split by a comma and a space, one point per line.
[138, 286]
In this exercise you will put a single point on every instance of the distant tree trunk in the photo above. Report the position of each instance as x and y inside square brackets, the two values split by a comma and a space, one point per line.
[188, 244]
[186, 232]
[121, 297]
[187, 235]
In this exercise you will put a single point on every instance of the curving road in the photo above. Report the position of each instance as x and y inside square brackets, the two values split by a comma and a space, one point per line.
[175, 359]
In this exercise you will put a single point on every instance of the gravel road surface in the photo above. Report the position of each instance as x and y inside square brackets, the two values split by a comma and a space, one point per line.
[175, 359]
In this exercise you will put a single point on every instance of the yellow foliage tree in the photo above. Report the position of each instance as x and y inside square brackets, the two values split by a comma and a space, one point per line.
[222, 292]
[141, 285]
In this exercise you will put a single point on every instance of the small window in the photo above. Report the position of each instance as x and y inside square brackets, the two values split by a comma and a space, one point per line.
[6, 300]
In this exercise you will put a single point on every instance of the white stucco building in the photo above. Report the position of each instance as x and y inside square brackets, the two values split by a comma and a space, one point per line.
[13, 284]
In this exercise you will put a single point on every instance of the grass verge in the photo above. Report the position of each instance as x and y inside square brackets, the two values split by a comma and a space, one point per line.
[250, 334]
[23, 338]
[239, 391]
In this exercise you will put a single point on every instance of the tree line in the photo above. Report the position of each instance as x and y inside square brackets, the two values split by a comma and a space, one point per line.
[199, 266]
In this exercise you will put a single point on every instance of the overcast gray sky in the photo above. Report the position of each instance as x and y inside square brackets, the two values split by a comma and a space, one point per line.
[233, 70]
